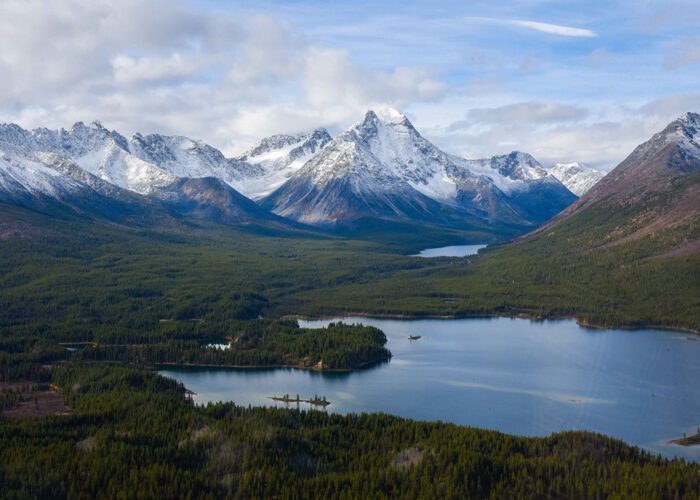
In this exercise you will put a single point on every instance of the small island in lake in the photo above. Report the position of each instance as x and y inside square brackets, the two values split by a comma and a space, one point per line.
[316, 401]
[688, 441]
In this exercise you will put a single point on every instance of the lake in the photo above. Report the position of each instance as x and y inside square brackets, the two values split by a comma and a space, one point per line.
[514, 375]
[451, 251]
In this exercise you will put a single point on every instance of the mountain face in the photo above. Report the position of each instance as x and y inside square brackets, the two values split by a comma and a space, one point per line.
[382, 167]
[655, 189]
[182, 157]
[93, 148]
[272, 161]
[150, 180]
[211, 199]
[577, 177]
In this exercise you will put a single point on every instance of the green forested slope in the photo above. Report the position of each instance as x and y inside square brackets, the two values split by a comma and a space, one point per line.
[135, 435]
[113, 285]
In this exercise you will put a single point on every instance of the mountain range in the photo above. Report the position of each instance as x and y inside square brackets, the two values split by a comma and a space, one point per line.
[379, 168]
[382, 167]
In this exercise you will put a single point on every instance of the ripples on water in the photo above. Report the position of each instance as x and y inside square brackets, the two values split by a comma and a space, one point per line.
[513, 375]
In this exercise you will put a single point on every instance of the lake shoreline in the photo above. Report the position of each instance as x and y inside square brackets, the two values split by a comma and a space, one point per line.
[521, 315]
[488, 372]
[313, 368]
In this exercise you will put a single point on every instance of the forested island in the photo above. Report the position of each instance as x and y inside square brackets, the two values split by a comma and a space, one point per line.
[259, 343]
[693, 440]
[315, 401]
[254, 343]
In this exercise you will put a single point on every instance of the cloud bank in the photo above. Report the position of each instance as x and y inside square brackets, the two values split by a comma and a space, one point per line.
[477, 78]
[165, 66]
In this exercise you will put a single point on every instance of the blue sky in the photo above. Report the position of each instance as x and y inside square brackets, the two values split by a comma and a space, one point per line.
[564, 80]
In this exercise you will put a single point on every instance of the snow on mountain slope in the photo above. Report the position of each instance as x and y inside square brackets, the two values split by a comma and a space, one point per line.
[93, 171]
[144, 164]
[683, 132]
[183, 157]
[52, 182]
[115, 165]
[99, 151]
[379, 167]
[383, 156]
[272, 161]
[22, 177]
[577, 177]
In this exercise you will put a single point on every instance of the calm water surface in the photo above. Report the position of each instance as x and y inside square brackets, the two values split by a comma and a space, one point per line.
[451, 251]
[513, 375]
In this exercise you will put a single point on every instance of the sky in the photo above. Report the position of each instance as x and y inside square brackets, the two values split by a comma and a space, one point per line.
[562, 80]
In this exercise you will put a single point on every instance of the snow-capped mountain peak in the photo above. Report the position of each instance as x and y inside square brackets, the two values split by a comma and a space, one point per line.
[388, 114]
[387, 140]
[684, 131]
[518, 166]
[273, 160]
[95, 149]
[182, 156]
[384, 165]
[286, 147]
[577, 177]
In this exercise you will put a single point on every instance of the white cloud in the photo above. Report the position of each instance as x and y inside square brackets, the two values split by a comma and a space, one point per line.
[554, 29]
[128, 70]
[336, 91]
[599, 133]
[528, 112]
[331, 79]
[688, 54]
[159, 66]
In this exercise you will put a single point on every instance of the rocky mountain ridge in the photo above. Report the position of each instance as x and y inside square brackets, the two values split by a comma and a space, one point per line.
[381, 167]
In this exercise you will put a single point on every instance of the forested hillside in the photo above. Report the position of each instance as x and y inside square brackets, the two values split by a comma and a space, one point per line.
[91, 282]
[134, 434]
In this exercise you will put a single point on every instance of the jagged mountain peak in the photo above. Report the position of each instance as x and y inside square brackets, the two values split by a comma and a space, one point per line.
[674, 150]
[683, 131]
[150, 178]
[94, 125]
[654, 189]
[576, 176]
[388, 114]
[517, 165]
[280, 141]
[684, 128]
[385, 167]
[273, 160]
[381, 118]
[690, 118]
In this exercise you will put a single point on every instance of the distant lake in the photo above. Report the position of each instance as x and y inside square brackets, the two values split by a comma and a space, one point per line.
[513, 375]
[451, 251]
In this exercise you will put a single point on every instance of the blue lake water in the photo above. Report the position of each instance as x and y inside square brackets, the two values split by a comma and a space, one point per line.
[513, 375]
[451, 251]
